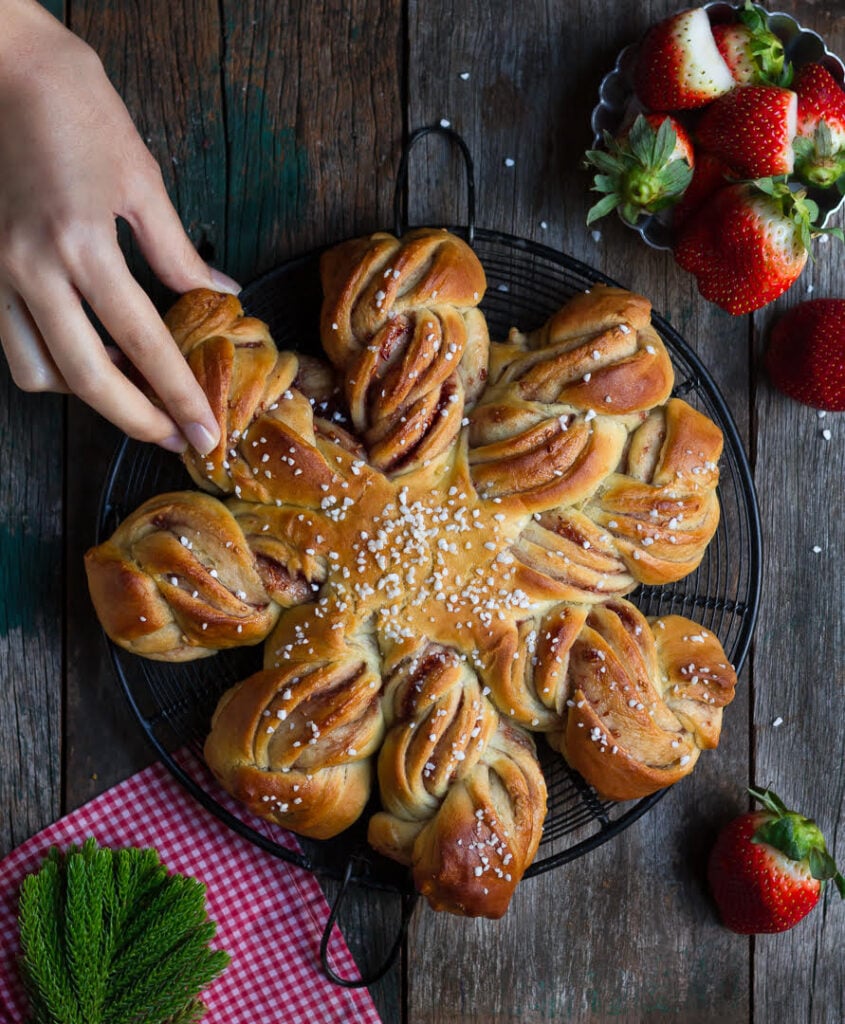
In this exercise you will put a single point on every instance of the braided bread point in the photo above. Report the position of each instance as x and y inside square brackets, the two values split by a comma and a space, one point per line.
[280, 538]
[527, 669]
[661, 507]
[599, 352]
[578, 557]
[177, 581]
[535, 457]
[463, 793]
[642, 700]
[268, 447]
[295, 743]
[563, 399]
[400, 325]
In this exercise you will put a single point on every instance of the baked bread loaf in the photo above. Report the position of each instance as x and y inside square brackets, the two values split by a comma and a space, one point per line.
[438, 534]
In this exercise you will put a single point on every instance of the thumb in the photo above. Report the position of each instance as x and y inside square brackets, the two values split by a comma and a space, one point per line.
[169, 251]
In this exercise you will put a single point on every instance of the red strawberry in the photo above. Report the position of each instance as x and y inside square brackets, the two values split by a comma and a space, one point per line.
[752, 129]
[820, 146]
[806, 354]
[709, 174]
[754, 54]
[767, 868]
[642, 170]
[748, 244]
[678, 66]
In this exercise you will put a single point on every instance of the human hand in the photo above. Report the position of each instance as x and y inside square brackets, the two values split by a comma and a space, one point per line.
[71, 162]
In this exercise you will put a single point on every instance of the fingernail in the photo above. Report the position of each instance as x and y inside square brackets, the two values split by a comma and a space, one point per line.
[200, 437]
[224, 283]
[174, 443]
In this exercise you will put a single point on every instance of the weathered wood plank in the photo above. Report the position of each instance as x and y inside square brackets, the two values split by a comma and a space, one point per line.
[31, 634]
[169, 78]
[314, 122]
[619, 934]
[799, 668]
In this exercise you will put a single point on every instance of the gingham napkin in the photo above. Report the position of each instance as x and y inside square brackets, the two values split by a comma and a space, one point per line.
[270, 914]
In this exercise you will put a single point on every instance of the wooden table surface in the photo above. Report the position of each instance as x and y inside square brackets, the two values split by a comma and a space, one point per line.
[279, 127]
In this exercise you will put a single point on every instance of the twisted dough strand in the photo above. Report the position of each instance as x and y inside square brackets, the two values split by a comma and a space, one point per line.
[268, 449]
[177, 581]
[642, 700]
[294, 743]
[400, 324]
[463, 793]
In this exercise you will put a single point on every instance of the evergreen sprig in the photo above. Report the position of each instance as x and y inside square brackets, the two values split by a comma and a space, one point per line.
[110, 937]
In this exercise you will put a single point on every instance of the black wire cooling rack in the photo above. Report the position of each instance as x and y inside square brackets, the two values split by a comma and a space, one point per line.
[527, 282]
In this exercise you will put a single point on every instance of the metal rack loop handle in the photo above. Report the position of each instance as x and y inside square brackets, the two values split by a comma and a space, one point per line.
[400, 196]
[409, 901]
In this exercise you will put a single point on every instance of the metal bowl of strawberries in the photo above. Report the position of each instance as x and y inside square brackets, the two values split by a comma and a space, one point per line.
[752, 93]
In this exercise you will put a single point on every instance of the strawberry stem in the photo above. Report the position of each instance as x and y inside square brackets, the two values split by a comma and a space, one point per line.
[766, 48]
[796, 837]
[636, 172]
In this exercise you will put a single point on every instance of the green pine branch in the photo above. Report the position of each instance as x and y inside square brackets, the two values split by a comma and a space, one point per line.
[109, 937]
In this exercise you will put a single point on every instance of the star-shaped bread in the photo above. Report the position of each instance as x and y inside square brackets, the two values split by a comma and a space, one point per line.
[434, 535]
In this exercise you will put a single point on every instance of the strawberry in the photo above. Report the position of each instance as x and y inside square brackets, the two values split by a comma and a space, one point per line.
[820, 145]
[767, 868]
[806, 354]
[678, 66]
[754, 54]
[709, 174]
[751, 129]
[748, 244]
[644, 169]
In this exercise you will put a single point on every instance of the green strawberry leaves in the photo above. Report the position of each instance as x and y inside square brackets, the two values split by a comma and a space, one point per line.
[766, 48]
[797, 207]
[636, 172]
[796, 837]
[817, 160]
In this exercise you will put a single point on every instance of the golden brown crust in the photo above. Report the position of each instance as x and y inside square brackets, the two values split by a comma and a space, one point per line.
[295, 743]
[598, 352]
[555, 421]
[661, 508]
[268, 447]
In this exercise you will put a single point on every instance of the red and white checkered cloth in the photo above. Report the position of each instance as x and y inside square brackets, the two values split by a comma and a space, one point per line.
[270, 914]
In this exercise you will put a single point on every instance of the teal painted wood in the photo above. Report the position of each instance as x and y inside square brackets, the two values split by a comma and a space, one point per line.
[169, 77]
[314, 121]
[55, 7]
[31, 610]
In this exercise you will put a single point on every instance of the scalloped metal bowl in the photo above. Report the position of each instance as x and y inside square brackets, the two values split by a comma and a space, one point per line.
[617, 103]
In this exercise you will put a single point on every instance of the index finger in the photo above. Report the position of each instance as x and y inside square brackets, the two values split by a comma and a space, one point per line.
[132, 320]
[85, 366]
